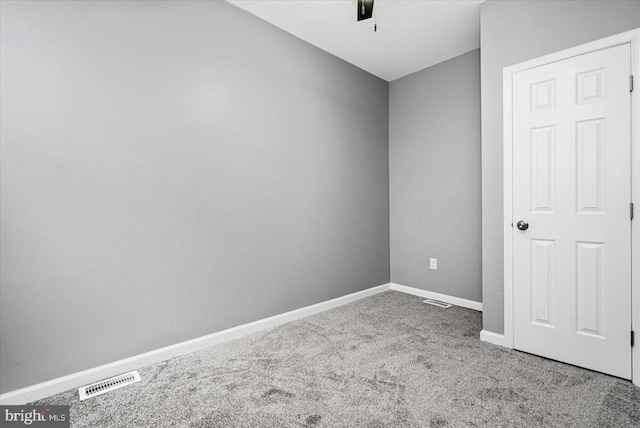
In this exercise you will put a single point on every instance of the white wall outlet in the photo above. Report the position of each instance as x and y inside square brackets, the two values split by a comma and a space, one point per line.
[433, 264]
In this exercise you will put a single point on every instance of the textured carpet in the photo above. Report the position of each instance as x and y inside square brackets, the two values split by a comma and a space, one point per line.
[384, 361]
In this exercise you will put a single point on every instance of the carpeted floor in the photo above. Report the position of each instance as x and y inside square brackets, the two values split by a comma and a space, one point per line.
[384, 361]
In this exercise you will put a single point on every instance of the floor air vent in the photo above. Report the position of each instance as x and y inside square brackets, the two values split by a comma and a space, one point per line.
[437, 303]
[108, 385]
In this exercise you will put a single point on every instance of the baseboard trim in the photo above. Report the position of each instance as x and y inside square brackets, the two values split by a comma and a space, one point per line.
[76, 380]
[470, 304]
[494, 338]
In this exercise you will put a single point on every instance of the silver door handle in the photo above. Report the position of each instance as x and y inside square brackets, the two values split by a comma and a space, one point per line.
[522, 225]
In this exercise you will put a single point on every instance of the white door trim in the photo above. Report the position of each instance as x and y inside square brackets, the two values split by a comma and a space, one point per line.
[632, 37]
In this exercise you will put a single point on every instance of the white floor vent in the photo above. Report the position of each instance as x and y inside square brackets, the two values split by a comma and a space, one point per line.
[437, 303]
[107, 385]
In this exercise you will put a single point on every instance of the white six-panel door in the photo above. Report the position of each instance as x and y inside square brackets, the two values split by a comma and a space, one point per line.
[572, 186]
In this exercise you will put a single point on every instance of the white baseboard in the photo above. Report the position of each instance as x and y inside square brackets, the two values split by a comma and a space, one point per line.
[494, 338]
[470, 304]
[76, 380]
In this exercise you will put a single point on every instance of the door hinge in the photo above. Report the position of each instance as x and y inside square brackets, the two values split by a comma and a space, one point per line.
[631, 210]
[631, 83]
[632, 338]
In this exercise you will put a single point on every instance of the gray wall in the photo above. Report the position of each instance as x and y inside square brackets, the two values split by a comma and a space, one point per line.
[434, 171]
[172, 169]
[512, 32]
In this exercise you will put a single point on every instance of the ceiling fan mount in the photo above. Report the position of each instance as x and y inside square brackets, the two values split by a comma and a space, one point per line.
[364, 9]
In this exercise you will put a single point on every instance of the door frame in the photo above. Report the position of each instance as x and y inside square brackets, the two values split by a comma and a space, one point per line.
[632, 37]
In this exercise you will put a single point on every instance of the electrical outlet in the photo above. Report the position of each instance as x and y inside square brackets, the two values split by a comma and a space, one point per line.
[433, 264]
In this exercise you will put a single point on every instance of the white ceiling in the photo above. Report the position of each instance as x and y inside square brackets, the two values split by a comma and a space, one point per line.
[412, 34]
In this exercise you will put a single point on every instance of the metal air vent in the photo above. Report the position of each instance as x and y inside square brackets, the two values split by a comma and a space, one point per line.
[108, 385]
[437, 303]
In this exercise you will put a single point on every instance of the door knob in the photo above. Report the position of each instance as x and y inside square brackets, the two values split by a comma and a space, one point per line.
[522, 225]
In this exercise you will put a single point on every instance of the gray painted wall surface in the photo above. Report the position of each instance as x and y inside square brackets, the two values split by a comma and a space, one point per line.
[172, 169]
[434, 172]
[512, 32]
